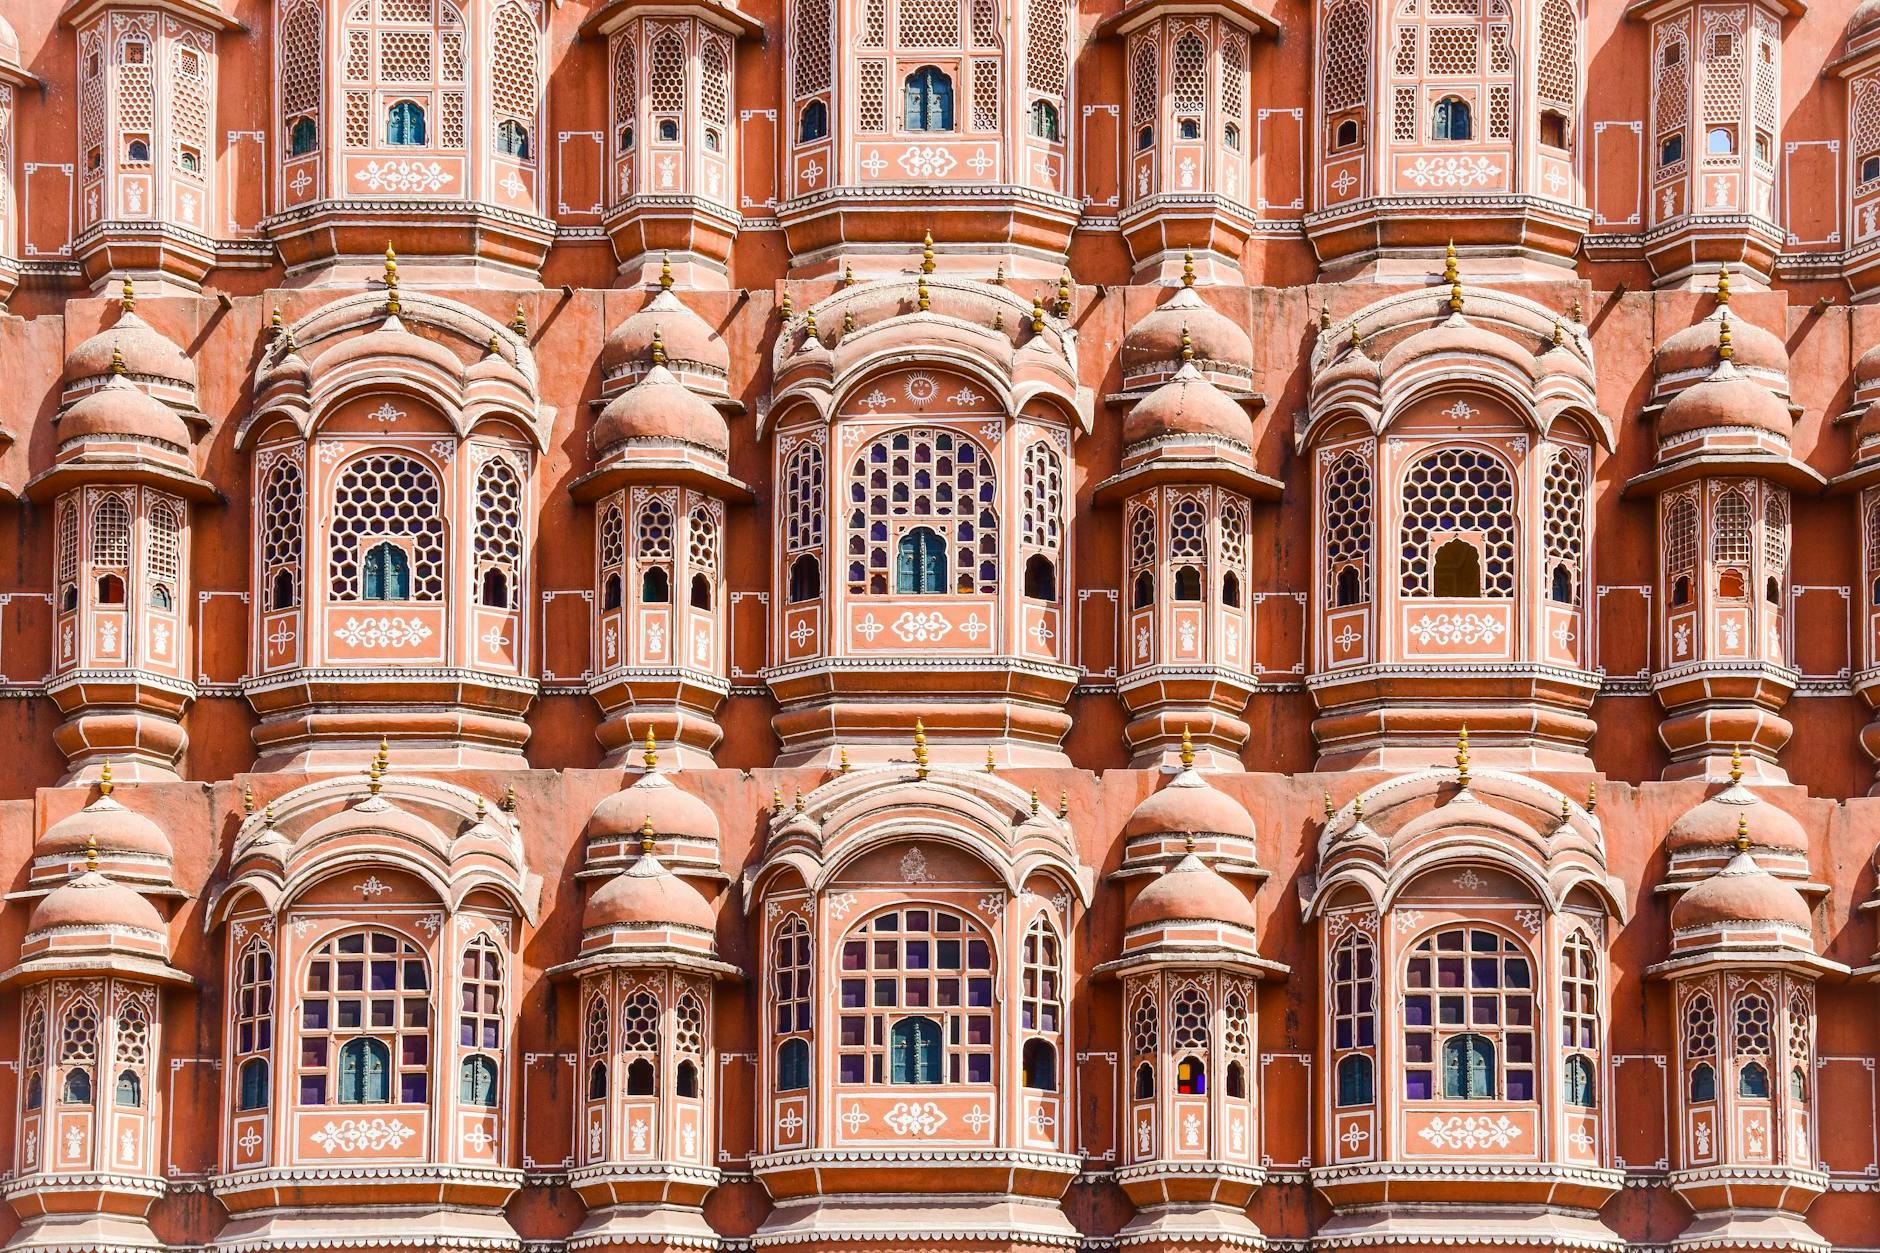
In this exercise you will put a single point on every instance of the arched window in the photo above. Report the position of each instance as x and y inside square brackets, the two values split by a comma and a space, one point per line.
[914, 1051]
[929, 100]
[1800, 1045]
[626, 95]
[1732, 543]
[920, 563]
[1458, 569]
[33, 1054]
[926, 479]
[813, 43]
[477, 1081]
[1751, 1040]
[652, 552]
[130, 1090]
[163, 554]
[68, 554]
[514, 80]
[1700, 1046]
[281, 512]
[1143, 1030]
[805, 578]
[110, 547]
[498, 535]
[1044, 120]
[594, 1041]
[803, 509]
[688, 1043]
[253, 1034]
[302, 137]
[1236, 1040]
[793, 1065]
[365, 1021]
[1232, 552]
[1189, 1039]
[1557, 71]
[1451, 120]
[1354, 1009]
[1563, 518]
[1040, 1063]
[480, 1018]
[1188, 547]
[78, 1051]
[640, 1038]
[1577, 1075]
[1354, 1080]
[77, 1089]
[1345, 67]
[1579, 1016]
[613, 556]
[512, 139]
[1040, 1007]
[300, 59]
[1469, 1014]
[1680, 547]
[1144, 90]
[379, 498]
[812, 123]
[1142, 558]
[1040, 578]
[1455, 490]
[929, 962]
[702, 554]
[790, 988]
[1703, 1082]
[405, 125]
[131, 1048]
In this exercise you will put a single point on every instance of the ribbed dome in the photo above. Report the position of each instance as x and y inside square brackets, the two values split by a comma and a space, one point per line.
[375, 813]
[1353, 366]
[661, 408]
[1456, 335]
[1726, 399]
[1867, 369]
[1189, 805]
[683, 336]
[675, 814]
[391, 341]
[145, 353]
[1695, 348]
[1187, 405]
[115, 828]
[1156, 339]
[1864, 21]
[1741, 892]
[1190, 890]
[9, 46]
[94, 900]
[119, 409]
[1711, 825]
[648, 894]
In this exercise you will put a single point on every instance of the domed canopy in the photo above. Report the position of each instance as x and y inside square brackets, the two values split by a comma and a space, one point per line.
[1727, 399]
[1711, 825]
[1694, 349]
[685, 339]
[1867, 369]
[1741, 894]
[1187, 405]
[1454, 336]
[143, 352]
[94, 900]
[1189, 805]
[1155, 344]
[675, 814]
[1190, 890]
[113, 828]
[1863, 23]
[661, 409]
[120, 410]
[9, 47]
[647, 894]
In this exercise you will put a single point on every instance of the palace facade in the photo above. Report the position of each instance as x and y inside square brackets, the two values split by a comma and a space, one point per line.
[974, 626]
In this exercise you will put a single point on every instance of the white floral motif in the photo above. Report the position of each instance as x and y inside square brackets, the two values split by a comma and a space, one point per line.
[840, 904]
[973, 628]
[478, 1138]
[636, 1132]
[915, 1118]
[877, 399]
[74, 1142]
[1530, 920]
[853, 1117]
[965, 396]
[386, 412]
[992, 905]
[1355, 1138]
[1471, 1132]
[1145, 1138]
[975, 1119]
[926, 627]
[1701, 1133]
[1453, 172]
[378, 632]
[1469, 881]
[1457, 628]
[914, 867]
[868, 628]
[922, 161]
[403, 176]
[370, 1134]
[373, 886]
[1191, 1131]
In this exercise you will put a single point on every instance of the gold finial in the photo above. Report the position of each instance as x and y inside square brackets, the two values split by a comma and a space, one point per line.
[248, 800]
[1034, 802]
[659, 347]
[1325, 795]
[495, 346]
[520, 323]
[1566, 809]
[91, 853]
[646, 834]
[998, 319]
[926, 254]
[1037, 316]
[1357, 339]
[992, 763]
[776, 800]
[1064, 802]
[784, 308]
[1188, 750]
[483, 807]
[1325, 318]
[665, 271]
[391, 281]
[649, 755]
[1188, 269]
[1742, 833]
[920, 749]
[1736, 763]
[1462, 756]
[920, 292]
[848, 274]
[267, 815]
[1453, 277]
[1357, 808]
[127, 301]
[1188, 345]
[1592, 796]
[104, 780]
[1724, 351]
[1723, 285]
[842, 760]
[385, 753]
[809, 324]
[117, 360]
[1064, 294]
[998, 275]
[374, 773]
[509, 798]
[848, 321]
[799, 800]
[1560, 333]
[274, 323]
[1576, 311]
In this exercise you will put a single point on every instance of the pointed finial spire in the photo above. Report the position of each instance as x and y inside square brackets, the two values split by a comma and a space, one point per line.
[1064, 802]
[1188, 345]
[385, 753]
[809, 323]
[1034, 802]
[1357, 807]
[1736, 763]
[799, 801]
[391, 281]
[1462, 756]
[646, 834]
[776, 800]
[1325, 318]
[998, 319]
[1325, 795]
[1560, 333]
[1357, 338]
[1723, 285]
[842, 760]
[1064, 294]
[920, 749]
[267, 815]
[659, 348]
[1453, 276]
[1592, 796]
[1742, 833]
[926, 254]
[1576, 311]
[998, 274]
[495, 346]
[1566, 810]
[483, 807]
[784, 308]
[1037, 316]
[509, 798]
[104, 780]
[848, 321]
[1188, 269]
[1188, 750]
[374, 774]
[920, 293]
[91, 853]
[649, 755]
[992, 763]
[520, 323]
[127, 299]
[665, 271]
[848, 274]
[274, 323]
[1724, 351]
[117, 360]
[248, 800]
